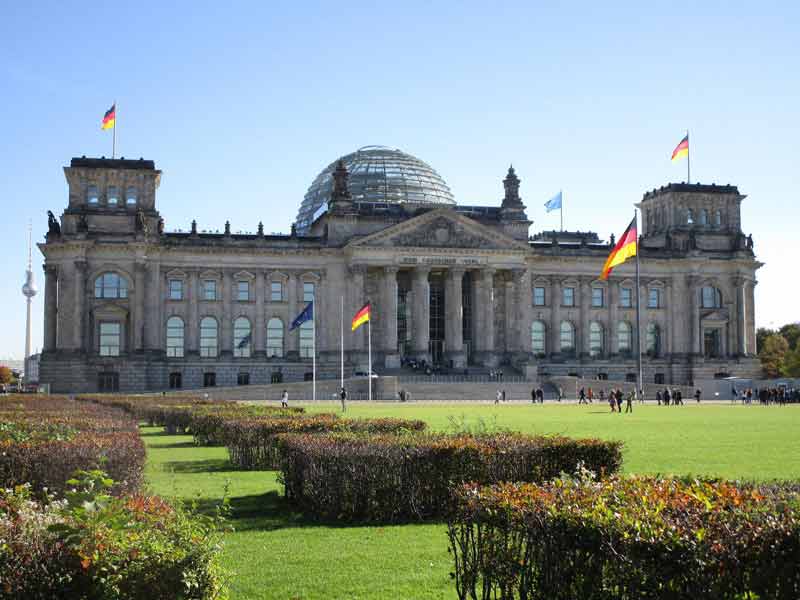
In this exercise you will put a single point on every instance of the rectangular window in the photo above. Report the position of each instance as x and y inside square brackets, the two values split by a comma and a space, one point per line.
[568, 296]
[538, 296]
[209, 289]
[110, 339]
[276, 291]
[209, 379]
[654, 298]
[175, 289]
[175, 381]
[112, 196]
[243, 379]
[597, 297]
[308, 292]
[243, 291]
[625, 297]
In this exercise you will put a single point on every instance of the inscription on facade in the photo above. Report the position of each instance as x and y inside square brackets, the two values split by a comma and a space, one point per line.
[448, 261]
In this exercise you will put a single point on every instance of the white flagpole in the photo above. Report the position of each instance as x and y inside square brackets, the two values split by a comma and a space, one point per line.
[688, 159]
[341, 342]
[114, 133]
[561, 208]
[369, 347]
[313, 353]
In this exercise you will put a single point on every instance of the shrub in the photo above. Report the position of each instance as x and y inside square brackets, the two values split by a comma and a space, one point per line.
[378, 477]
[626, 538]
[93, 546]
[252, 444]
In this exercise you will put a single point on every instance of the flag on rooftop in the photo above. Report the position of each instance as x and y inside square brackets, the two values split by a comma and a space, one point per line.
[626, 248]
[110, 118]
[306, 315]
[681, 149]
[553, 203]
[362, 316]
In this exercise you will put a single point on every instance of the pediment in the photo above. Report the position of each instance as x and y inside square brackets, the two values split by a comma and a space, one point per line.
[719, 315]
[442, 228]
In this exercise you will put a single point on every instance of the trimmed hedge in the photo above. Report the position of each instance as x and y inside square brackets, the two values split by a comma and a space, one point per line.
[393, 478]
[43, 440]
[253, 444]
[95, 547]
[626, 538]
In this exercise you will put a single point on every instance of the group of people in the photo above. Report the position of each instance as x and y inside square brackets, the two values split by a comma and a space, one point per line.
[673, 397]
[766, 396]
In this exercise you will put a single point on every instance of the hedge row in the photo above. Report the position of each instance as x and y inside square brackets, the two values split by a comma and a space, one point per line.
[253, 444]
[43, 440]
[92, 546]
[626, 538]
[393, 478]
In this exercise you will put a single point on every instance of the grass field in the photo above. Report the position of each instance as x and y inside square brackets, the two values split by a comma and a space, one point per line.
[276, 553]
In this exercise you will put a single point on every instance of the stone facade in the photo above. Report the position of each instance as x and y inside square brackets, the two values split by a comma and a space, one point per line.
[131, 307]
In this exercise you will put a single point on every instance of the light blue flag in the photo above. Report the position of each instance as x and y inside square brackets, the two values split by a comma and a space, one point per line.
[553, 203]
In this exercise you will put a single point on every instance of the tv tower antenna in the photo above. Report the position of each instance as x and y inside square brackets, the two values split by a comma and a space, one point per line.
[29, 290]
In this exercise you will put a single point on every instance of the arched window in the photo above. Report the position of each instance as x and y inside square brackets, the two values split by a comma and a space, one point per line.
[242, 338]
[711, 297]
[175, 337]
[208, 337]
[112, 196]
[567, 337]
[624, 335]
[689, 216]
[704, 217]
[130, 196]
[306, 339]
[595, 339]
[538, 336]
[92, 197]
[110, 285]
[718, 217]
[653, 339]
[274, 337]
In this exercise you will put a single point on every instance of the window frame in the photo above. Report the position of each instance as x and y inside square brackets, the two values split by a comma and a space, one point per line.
[272, 291]
[92, 199]
[650, 296]
[625, 297]
[561, 332]
[247, 290]
[242, 330]
[534, 334]
[205, 349]
[270, 346]
[120, 289]
[595, 327]
[536, 290]
[175, 287]
[602, 297]
[306, 299]
[716, 297]
[101, 335]
[628, 335]
[305, 342]
[129, 196]
[174, 350]
[215, 295]
[571, 290]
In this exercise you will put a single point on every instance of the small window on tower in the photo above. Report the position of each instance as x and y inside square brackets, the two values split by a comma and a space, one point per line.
[91, 195]
[113, 196]
[130, 196]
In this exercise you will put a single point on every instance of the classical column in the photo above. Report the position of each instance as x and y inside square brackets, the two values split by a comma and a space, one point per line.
[612, 343]
[153, 301]
[485, 309]
[138, 319]
[694, 304]
[192, 326]
[260, 332]
[389, 311]
[226, 326]
[421, 311]
[740, 288]
[750, 317]
[524, 309]
[50, 306]
[454, 318]
[668, 336]
[510, 323]
[554, 345]
[80, 303]
[585, 301]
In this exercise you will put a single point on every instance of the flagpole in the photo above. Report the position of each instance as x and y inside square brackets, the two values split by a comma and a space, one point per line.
[341, 342]
[114, 133]
[688, 161]
[639, 383]
[561, 208]
[369, 348]
[313, 353]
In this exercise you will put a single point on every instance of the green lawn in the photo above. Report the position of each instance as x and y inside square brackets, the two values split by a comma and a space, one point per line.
[278, 554]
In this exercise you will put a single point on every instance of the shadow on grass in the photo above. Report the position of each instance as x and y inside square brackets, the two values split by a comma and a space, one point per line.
[159, 433]
[173, 445]
[210, 465]
[263, 512]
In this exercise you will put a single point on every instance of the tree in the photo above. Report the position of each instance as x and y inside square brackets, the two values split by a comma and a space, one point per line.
[763, 333]
[791, 333]
[791, 364]
[5, 375]
[773, 354]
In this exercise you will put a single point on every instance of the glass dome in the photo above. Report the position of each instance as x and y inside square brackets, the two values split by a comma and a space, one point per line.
[377, 174]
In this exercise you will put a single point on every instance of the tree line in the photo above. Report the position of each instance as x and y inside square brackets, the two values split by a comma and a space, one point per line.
[779, 350]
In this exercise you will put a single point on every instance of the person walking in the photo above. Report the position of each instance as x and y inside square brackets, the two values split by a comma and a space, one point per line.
[678, 398]
[497, 397]
[629, 404]
[582, 397]
[285, 399]
[504, 396]
[560, 393]
[658, 397]
[619, 401]
[533, 395]
[697, 394]
[343, 397]
[590, 395]
[667, 397]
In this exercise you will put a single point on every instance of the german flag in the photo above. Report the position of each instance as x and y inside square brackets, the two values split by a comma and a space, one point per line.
[625, 248]
[110, 118]
[681, 149]
[362, 316]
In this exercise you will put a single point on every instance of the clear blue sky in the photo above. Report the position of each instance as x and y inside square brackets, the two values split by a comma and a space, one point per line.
[242, 104]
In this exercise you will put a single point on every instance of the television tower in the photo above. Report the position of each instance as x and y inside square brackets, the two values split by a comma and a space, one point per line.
[29, 291]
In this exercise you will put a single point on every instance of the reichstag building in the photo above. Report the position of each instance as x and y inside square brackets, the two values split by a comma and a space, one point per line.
[130, 306]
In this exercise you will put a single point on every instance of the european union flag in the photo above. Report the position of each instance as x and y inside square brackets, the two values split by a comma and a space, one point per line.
[553, 203]
[306, 315]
